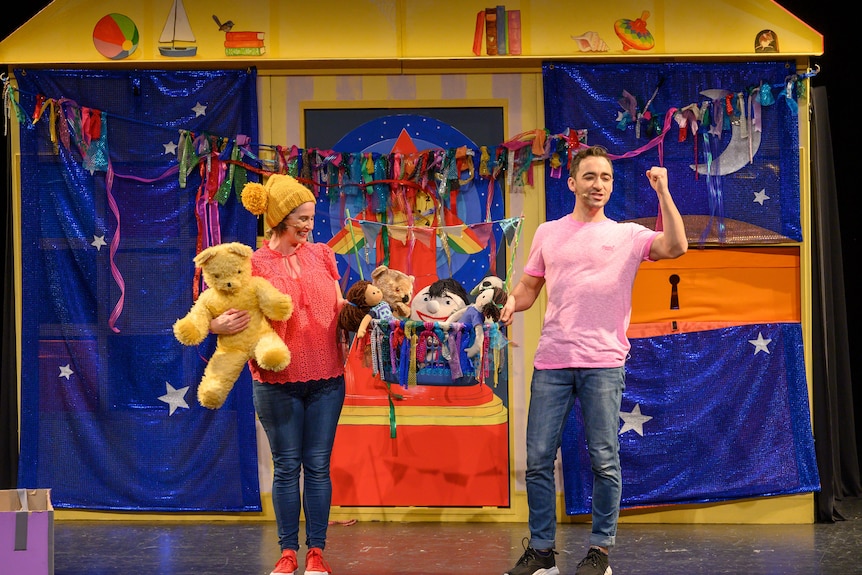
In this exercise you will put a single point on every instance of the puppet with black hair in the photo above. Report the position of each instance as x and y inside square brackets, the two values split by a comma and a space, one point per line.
[438, 301]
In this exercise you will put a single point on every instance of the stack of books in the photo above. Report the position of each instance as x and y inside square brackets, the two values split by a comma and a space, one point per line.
[243, 43]
[501, 29]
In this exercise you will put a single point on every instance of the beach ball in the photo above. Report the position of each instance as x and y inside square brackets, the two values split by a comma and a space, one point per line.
[115, 36]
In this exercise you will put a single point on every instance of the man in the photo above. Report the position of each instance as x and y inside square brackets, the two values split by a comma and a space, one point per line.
[588, 264]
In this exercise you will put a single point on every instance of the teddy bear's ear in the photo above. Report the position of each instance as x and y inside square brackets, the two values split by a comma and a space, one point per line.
[239, 249]
[379, 271]
[204, 256]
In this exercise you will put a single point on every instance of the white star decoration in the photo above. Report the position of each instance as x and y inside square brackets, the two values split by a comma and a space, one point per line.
[760, 344]
[65, 371]
[98, 242]
[175, 397]
[634, 420]
[170, 148]
[760, 196]
[200, 110]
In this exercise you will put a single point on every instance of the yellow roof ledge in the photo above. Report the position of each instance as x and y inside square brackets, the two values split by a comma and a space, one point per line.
[422, 35]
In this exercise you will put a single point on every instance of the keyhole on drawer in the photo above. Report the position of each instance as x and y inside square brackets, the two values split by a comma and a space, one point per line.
[674, 292]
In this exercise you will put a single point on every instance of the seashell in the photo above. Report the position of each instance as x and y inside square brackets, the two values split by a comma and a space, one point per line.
[590, 42]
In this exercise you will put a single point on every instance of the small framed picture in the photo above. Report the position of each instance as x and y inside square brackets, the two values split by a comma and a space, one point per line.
[766, 41]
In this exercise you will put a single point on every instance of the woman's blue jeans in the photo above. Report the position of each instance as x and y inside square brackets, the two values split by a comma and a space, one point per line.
[300, 423]
[553, 393]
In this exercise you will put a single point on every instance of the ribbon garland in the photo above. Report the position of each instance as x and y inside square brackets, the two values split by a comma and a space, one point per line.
[512, 156]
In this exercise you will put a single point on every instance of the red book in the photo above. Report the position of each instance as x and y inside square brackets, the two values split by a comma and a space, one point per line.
[480, 32]
[243, 43]
[514, 31]
[242, 35]
[491, 31]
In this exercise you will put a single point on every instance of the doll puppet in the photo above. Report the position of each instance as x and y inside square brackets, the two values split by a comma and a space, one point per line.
[438, 301]
[486, 308]
[364, 303]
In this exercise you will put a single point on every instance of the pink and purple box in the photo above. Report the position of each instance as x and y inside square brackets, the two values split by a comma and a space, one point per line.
[26, 532]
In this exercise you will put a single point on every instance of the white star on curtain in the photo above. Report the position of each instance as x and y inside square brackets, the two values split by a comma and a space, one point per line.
[634, 420]
[175, 398]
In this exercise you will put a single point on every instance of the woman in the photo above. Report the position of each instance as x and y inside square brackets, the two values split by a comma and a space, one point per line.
[299, 406]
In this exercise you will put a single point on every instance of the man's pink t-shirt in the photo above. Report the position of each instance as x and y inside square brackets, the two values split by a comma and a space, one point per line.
[589, 271]
[310, 332]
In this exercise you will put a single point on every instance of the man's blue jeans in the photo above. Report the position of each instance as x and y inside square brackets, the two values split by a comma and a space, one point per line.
[553, 393]
[300, 422]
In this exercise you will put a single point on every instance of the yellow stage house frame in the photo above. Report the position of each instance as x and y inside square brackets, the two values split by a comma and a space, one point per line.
[430, 53]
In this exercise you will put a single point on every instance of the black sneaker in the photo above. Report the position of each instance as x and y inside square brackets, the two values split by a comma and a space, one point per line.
[595, 563]
[532, 563]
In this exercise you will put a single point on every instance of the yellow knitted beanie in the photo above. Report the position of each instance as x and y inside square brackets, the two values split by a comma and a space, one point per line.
[280, 195]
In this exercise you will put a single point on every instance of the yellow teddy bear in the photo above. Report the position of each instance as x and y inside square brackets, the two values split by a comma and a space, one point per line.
[227, 272]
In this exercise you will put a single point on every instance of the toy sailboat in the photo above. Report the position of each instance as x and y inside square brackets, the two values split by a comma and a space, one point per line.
[177, 29]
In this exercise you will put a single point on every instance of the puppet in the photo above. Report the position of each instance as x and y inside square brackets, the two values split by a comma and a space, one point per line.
[486, 308]
[438, 301]
[487, 283]
[364, 303]
[397, 288]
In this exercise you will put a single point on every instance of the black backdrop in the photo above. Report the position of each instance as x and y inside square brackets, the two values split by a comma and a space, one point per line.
[825, 17]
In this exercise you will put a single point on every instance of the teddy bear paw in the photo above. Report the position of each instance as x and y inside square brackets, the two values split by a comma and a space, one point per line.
[186, 332]
[282, 309]
[273, 359]
[212, 397]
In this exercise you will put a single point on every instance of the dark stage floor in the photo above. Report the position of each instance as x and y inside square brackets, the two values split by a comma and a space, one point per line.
[375, 548]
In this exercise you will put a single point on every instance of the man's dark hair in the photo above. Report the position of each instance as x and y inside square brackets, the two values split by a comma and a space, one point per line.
[584, 152]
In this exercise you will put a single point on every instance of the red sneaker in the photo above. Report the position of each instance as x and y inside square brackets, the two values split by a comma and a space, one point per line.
[315, 564]
[287, 564]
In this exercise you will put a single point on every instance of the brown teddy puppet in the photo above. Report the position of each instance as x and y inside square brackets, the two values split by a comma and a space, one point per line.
[227, 272]
[397, 288]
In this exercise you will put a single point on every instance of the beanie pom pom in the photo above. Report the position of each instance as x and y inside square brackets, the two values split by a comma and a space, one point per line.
[254, 198]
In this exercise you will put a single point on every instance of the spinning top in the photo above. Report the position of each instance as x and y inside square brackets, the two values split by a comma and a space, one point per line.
[634, 33]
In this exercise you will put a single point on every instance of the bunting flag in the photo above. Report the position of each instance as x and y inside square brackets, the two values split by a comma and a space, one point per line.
[463, 238]
[109, 414]
[351, 238]
[706, 416]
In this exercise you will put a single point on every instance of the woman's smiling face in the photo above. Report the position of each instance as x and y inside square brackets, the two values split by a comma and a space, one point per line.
[300, 223]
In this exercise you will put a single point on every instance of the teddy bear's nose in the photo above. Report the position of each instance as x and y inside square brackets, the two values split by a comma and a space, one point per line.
[405, 298]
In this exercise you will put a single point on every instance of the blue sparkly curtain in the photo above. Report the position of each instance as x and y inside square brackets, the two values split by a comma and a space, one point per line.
[735, 181]
[110, 418]
[706, 416]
